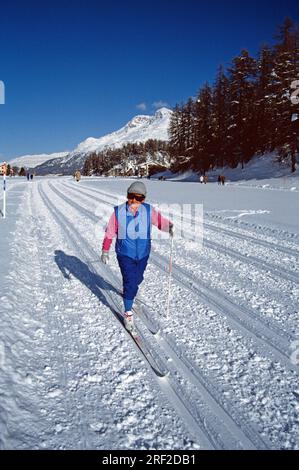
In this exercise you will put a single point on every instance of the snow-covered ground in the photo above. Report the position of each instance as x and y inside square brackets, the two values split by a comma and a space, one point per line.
[263, 171]
[72, 377]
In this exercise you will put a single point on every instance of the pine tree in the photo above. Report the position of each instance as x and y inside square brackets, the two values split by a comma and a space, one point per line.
[176, 132]
[265, 101]
[220, 118]
[87, 167]
[247, 112]
[187, 124]
[286, 70]
[242, 124]
[202, 134]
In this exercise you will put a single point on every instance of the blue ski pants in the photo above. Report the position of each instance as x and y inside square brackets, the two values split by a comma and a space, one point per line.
[132, 271]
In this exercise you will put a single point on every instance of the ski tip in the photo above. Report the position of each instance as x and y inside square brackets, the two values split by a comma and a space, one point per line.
[156, 333]
[161, 375]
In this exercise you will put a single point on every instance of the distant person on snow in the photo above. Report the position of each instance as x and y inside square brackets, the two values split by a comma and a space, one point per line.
[201, 179]
[31, 177]
[77, 175]
[219, 179]
[28, 176]
[132, 223]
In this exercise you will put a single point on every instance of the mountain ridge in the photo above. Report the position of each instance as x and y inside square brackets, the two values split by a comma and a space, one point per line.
[139, 129]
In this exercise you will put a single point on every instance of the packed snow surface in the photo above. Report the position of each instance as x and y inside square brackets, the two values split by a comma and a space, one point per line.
[72, 377]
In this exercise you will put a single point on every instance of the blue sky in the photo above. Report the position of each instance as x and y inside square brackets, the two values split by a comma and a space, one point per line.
[78, 69]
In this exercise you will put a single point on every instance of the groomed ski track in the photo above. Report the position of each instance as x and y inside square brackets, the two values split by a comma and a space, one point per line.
[217, 373]
[211, 427]
[270, 339]
[219, 431]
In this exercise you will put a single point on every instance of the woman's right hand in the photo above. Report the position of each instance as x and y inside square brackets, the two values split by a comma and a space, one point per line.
[105, 257]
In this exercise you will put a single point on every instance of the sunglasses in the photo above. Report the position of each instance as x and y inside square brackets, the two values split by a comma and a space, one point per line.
[136, 197]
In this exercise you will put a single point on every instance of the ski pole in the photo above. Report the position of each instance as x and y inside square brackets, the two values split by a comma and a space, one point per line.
[4, 190]
[169, 278]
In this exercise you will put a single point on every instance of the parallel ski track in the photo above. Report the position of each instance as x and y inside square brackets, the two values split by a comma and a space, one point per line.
[73, 235]
[270, 340]
[265, 320]
[278, 271]
[198, 430]
[64, 337]
[275, 270]
[218, 227]
[242, 433]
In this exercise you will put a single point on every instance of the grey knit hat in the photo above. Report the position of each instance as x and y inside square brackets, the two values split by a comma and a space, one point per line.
[137, 187]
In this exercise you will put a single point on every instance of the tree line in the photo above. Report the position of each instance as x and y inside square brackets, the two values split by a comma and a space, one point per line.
[100, 163]
[247, 111]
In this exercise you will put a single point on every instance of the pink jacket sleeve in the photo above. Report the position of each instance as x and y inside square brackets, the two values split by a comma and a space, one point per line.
[159, 221]
[110, 232]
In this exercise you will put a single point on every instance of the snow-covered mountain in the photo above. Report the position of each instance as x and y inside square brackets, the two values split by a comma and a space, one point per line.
[31, 161]
[140, 129]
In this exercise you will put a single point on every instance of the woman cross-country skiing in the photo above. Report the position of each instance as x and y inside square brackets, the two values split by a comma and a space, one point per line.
[132, 223]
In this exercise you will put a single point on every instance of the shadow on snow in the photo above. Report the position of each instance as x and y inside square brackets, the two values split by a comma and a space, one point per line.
[73, 266]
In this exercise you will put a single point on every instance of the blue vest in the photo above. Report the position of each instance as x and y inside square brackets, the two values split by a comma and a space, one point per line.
[134, 231]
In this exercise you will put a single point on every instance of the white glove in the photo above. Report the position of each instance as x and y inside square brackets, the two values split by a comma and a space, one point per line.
[171, 230]
[105, 257]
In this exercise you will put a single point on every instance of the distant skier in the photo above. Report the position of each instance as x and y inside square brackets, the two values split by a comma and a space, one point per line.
[201, 179]
[28, 176]
[132, 223]
[77, 176]
[31, 176]
[219, 179]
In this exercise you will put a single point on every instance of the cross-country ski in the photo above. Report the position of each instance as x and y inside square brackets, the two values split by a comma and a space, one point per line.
[149, 269]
